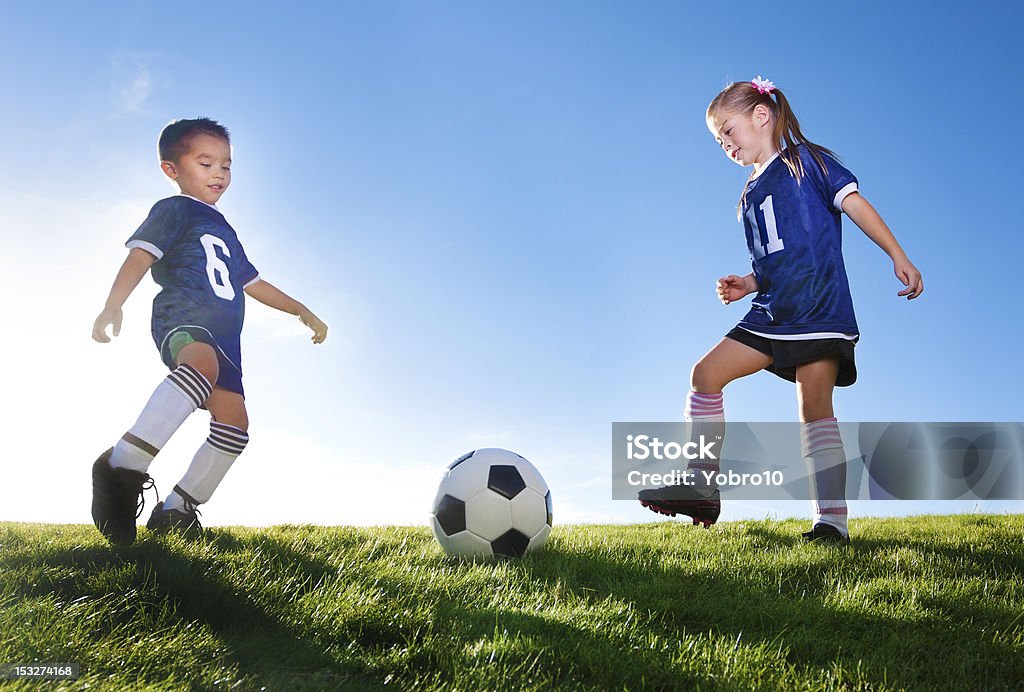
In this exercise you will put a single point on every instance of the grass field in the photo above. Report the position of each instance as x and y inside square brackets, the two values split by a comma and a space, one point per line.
[918, 603]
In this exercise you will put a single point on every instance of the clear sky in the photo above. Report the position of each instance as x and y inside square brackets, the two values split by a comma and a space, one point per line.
[511, 215]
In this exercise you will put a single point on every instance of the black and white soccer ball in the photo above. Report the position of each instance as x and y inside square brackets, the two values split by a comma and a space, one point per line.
[491, 502]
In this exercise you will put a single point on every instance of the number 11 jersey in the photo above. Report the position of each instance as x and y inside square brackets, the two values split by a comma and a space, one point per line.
[794, 235]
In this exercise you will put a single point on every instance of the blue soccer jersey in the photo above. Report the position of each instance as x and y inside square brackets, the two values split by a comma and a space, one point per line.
[202, 271]
[794, 235]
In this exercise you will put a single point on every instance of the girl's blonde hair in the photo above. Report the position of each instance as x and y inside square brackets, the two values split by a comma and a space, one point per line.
[743, 97]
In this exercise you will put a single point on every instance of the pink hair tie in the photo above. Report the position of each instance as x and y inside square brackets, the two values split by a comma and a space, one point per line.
[763, 86]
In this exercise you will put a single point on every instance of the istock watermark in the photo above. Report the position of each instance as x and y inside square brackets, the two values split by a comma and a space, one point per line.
[764, 461]
[704, 478]
[644, 447]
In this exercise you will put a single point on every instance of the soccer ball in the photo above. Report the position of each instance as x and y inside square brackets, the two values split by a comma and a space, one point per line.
[491, 502]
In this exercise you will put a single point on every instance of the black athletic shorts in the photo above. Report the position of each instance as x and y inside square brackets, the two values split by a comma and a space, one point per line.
[787, 354]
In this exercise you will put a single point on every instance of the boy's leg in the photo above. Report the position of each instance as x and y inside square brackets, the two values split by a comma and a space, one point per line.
[119, 475]
[174, 400]
[822, 449]
[705, 416]
[228, 438]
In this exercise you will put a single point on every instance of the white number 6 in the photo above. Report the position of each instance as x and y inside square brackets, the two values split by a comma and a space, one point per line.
[216, 270]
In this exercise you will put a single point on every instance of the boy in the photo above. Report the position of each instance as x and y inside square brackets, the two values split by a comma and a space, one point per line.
[203, 272]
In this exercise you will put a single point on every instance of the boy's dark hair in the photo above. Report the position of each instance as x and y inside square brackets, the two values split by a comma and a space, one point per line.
[175, 137]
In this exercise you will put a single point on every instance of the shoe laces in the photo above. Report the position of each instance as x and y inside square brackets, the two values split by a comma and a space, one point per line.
[194, 511]
[148, 484]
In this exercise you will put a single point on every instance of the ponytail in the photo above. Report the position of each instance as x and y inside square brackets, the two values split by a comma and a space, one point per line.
[743, 97]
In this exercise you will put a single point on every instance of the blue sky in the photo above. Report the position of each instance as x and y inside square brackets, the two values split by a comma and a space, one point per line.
[510, 214]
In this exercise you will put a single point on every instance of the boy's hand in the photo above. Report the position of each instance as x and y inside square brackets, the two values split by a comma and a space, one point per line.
[314, 323]
[910, 277]
[109, 316]
[731, 288]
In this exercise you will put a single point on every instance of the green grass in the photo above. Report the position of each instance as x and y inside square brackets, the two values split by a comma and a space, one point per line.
[919, 603]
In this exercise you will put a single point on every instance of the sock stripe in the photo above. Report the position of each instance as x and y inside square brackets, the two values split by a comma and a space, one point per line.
[227, 438]
[185, 496]
[186, 385]
[820, 435]
[140, 444]
[191, 383]
[705, 397]
[700, 405]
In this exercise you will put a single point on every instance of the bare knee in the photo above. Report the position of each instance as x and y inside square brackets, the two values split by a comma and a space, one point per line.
[704, 379]
[228, 408]
[203, 358]
[729, 360]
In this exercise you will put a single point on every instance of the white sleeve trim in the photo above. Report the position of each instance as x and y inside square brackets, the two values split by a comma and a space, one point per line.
[251, 282]
[148, 247]
[837, 202]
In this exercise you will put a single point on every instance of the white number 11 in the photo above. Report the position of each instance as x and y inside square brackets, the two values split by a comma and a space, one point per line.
[774, 241]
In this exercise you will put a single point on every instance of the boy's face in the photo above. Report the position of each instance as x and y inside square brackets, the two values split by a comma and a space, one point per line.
[204, 171]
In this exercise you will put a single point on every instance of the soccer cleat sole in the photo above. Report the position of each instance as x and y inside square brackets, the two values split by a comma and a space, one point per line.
[703, 513]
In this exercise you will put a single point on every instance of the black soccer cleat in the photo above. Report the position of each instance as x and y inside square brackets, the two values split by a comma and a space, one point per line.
[825, 533]
[671, 500]
[165, 520]
[117, 499]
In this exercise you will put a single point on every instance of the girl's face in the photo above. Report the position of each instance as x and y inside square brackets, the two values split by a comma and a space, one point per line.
[746, 138]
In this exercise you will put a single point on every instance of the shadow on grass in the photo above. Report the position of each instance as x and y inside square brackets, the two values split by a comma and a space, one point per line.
[265, 649]
[424, 631]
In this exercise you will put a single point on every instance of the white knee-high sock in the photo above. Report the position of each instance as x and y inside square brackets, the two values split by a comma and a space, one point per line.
[705, 417]
[174, 400]
[209, 466]
[826, 463]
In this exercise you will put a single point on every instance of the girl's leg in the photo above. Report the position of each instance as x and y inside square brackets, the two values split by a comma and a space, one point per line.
[729, 360]
[698, 497]
[705, 411]
[822, 445]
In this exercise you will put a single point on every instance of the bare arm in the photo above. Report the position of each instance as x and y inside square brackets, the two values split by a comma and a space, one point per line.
[135, 266]
[270, 295]
[874, 227]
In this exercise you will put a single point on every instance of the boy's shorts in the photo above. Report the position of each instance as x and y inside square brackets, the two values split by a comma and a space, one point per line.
[787, 354]
[229, 374]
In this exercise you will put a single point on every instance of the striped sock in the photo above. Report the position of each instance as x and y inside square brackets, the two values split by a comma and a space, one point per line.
[705, 417]
[174, 400]
[822, 448]
[209, 466]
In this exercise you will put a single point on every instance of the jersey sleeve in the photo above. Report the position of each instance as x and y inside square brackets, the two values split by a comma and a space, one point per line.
[161, 230]
[834, 185]
[249, 274]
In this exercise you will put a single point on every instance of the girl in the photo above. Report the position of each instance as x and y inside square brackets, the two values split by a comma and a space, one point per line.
[801, 324]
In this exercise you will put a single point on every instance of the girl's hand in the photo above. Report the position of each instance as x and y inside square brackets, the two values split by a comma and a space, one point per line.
[109, 317]
[910, 277]
[732, 287]
[314, 323]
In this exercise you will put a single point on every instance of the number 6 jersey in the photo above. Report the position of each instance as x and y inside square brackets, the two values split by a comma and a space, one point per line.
[794, 234]
[202, 271]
